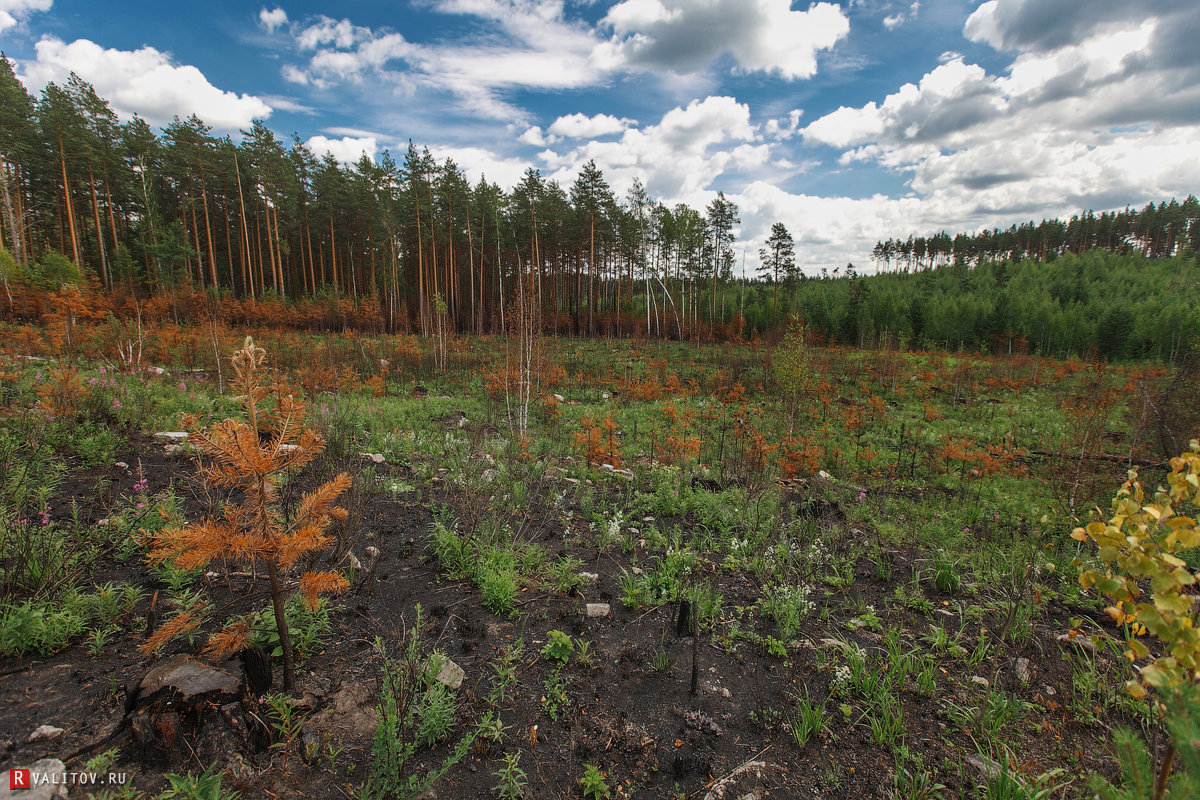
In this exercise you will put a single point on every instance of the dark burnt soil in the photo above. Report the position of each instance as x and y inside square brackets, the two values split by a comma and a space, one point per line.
[639, 724]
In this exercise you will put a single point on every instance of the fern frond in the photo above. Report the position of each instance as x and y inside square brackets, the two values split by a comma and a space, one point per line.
[314, 584]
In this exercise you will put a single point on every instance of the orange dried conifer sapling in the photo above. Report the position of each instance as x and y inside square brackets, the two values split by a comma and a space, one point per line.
[256, 528]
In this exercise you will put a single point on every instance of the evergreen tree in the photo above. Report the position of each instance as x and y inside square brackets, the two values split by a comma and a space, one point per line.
[778, 258]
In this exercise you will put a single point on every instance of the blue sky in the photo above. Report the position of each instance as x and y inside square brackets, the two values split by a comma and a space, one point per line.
[849, 121]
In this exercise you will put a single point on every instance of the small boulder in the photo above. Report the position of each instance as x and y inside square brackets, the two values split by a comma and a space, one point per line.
[1022, 670]
[1079, 639]
[597, 610]
[979, 681]
[374, 458]
[451, 675]
[172, 436]
[46, 732]
[987, 768]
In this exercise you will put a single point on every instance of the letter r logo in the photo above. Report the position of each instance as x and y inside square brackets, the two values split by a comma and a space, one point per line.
[18, 778]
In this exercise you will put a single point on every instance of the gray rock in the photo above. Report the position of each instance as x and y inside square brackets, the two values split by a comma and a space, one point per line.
[597, 610]
[698, 721]
[46, 732]
[1080, 640]
[172, 436]
[1022, 669]
[451, 674]
[590, 577]
[48, 781]
[374, 458]
[988, 769]
[352, 709]
[978, 681]
[607, 467]
[560, 398]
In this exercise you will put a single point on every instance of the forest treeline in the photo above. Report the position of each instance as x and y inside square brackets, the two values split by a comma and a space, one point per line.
[1156, 231]
[1094, 304]
[414, 245]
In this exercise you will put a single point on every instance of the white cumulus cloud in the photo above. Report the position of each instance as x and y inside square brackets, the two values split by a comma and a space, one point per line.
[143, 81]
[761, 35]
[581, 126]
[677, 158]
[273, 19]
[477, 162]
[347, 149]
[1092, 112]
[14, 12]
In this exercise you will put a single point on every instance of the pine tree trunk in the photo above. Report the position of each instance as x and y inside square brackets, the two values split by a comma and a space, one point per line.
[99, 231]
[10, 215]
[70, 208]
[285, 638]
[247, 267]
[212, 253]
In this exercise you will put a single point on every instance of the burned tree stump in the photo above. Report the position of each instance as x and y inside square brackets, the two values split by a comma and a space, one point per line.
[184, 708]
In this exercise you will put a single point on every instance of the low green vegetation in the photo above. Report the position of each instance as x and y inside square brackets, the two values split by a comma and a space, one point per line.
[873, 547]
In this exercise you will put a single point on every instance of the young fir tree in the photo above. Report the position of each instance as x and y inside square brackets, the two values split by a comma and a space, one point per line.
[256, 529]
